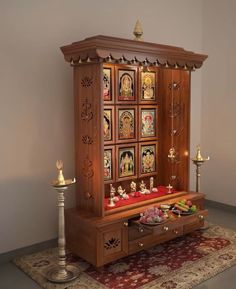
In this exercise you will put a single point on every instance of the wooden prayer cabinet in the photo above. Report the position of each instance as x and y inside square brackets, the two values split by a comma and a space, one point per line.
[120, 84]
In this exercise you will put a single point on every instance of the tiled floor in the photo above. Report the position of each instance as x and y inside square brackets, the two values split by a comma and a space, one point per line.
[12, 278]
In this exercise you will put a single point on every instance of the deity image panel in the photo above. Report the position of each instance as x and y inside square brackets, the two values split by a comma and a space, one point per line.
[126, 162]
[148, 159]
[148, 89]
[107, 124]
[148, 122]
[126, 85]
[107, 84]
[126, 124]
[108, 165]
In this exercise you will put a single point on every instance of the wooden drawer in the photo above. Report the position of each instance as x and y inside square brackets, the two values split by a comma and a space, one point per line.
[155, 238]
[195, 222]
[137, 231]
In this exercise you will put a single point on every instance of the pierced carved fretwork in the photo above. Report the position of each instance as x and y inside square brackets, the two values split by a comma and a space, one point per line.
[177, 132]
[86, 81]
[175, 110]
[87, 169]
[86, 139]
[86, 113]
[174, 85]
[112, 243]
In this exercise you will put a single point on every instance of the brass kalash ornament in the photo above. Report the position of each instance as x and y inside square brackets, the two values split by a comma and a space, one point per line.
[198, 161]
[138, 31]
[62, 273]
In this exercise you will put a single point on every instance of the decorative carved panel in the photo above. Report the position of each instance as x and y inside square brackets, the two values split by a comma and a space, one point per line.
[86, 139]
[88, 171]
[86, 113]
[112, 242]
[86, 81]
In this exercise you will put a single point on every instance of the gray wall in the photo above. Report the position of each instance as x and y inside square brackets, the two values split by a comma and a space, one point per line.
[219, 100]
[36, 98]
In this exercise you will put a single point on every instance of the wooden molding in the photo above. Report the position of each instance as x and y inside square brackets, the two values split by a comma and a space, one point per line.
[111, 49]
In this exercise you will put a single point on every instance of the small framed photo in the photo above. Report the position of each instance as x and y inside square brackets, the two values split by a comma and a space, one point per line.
[108, 124]
[148, 89]
[108, 82]
[126, 85]
[148, 158]
[126, 123]
[147, 122]
[109, 164]
[126, 159]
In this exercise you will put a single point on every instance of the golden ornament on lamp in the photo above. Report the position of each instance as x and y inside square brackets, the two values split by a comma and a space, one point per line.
[62, 273]
[198, 161]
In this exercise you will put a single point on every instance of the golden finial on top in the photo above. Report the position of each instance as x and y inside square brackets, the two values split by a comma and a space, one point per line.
[138, 31]
[60, 177]
[60, 181]
[198, 157]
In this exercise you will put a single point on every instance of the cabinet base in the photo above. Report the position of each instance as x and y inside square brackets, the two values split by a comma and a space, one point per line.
[101, 240]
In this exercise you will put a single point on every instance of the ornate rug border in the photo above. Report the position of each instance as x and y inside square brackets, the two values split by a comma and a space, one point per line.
[85, 281]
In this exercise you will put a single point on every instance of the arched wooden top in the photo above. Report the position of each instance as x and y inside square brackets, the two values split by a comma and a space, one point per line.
[113, 49]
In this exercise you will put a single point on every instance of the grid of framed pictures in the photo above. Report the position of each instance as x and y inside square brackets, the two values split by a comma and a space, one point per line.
[130, 129]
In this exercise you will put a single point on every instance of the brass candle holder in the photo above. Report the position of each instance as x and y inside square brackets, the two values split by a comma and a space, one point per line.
[62, 273]
[198, 161]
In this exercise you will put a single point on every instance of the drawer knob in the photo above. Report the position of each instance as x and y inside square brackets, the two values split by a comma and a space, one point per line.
[140, 244]
[140, 229]
[176, 232]
[126, 224]
[165, 228]
[201, 217]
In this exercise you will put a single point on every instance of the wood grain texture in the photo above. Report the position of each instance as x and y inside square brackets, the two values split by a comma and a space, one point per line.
[101, 236]
[113, 48]
[174, 122]
[89, 121]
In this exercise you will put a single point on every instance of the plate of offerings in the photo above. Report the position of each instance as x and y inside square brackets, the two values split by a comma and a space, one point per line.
[152, 216]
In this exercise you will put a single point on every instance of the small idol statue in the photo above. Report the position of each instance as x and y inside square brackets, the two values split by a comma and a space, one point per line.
[142, 187]
[125, 196]
[151, 184]
[112, 196]
[169, 187]
[120, 191]
[133, 186]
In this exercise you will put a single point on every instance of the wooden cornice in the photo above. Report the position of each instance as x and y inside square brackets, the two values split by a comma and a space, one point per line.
[112, 49]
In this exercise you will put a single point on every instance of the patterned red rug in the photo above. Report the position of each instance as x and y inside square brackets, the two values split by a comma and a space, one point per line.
[179, 264]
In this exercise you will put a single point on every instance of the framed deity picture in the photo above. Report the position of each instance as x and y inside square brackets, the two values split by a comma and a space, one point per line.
[109, 159]
[108, 124]
[147, 122]
[126, 162]
[148, 158]
[148, 93]
[126, 124]
[126, 85]
[108, 75]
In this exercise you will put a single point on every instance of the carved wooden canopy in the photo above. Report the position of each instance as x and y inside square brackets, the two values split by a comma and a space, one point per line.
[112, 49]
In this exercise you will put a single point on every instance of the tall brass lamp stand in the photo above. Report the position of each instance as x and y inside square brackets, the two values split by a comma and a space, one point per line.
[62, 272]
[198, 161]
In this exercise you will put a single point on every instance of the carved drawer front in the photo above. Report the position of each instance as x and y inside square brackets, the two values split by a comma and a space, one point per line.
[114, 242]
